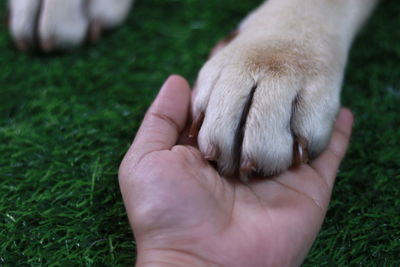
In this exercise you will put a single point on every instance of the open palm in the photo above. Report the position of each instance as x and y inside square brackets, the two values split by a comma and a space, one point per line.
[184, 213]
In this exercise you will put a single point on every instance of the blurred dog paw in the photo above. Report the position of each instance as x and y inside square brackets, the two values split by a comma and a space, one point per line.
[62, 24]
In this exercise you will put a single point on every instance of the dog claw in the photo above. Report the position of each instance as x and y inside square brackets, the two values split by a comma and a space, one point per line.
[248, 166]
[300, 151]
[47, 46]
[246, 169]
[96, 28]
[22, 44]
[195, 127]
[212, 153]
[224, 42]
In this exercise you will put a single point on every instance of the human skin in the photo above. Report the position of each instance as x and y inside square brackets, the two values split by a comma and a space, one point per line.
[183, 213]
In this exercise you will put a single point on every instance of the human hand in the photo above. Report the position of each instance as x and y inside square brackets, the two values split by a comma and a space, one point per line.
[183, 213]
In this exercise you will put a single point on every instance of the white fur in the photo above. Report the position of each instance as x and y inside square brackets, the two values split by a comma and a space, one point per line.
[22, 18]
[109, 12]
[63, 22]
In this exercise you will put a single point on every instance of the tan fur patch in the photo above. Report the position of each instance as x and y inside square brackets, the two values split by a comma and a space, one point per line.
[285, 60]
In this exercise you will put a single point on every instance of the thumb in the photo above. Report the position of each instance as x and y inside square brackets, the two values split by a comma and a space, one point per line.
[164, 120]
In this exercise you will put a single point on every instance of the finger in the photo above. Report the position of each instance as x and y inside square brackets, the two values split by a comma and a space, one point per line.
[328, 162]
[165, 118]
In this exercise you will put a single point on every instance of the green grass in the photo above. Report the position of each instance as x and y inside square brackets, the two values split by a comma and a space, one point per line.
[66, 120]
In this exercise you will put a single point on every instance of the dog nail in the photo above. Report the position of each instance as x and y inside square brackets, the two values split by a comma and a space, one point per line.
[195, 127]
[248, 166]
[300, 151]
[95, 31]
[22, 44]
[212, 153]
[224, 42]
[229, 38]
[47, 46]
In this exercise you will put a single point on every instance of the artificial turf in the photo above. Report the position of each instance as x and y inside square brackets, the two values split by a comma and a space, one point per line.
[66, 121]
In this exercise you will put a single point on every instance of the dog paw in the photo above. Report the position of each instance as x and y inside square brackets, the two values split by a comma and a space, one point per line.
[256, 103]
[62, 24]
